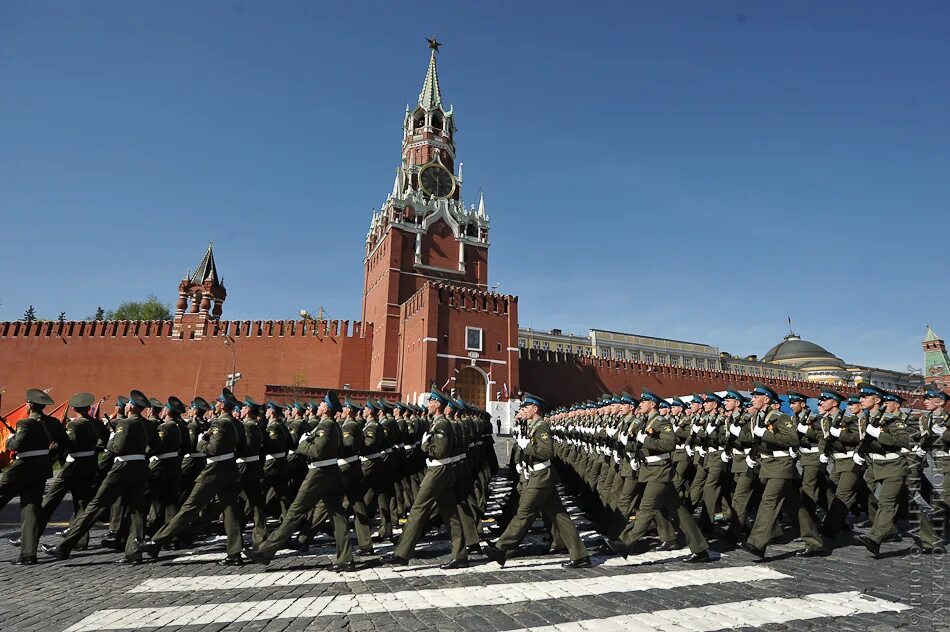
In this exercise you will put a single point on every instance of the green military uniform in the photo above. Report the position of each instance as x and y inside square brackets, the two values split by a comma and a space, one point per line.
[165, 467]
[78, 474]
[26, 477]
[436, 491]
[218, 480]
[323, 483]
[251, 472]
[125, 480]
[811, 437]
[846, 474]
[539, 494]
[657, 443]
[936, 435]
[777, 434]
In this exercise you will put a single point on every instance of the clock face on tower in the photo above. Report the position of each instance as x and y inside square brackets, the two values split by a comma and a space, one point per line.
[437, 181]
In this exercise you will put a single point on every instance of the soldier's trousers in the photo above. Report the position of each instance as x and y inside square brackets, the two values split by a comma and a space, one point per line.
[744, 484]
[681, 476]
[847, 483]
[887, 507]
[252, 497]
[662, 497]
[696, 487]
[812, 488]
[436, 491]
[782, 494]
[210, 485]
[164, 502]
[536, 500]
[321, 484]
[80, 487]
[30, 492]
[353, 492]
[123, 482]
[275, 485]
[712, 486]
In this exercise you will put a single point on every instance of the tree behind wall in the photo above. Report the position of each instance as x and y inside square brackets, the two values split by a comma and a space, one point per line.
[149, 309]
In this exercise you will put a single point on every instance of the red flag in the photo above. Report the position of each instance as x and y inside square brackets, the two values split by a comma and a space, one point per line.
[59, 413]
[10, 421]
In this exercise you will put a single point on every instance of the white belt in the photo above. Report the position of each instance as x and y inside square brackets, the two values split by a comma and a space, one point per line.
[408, 447]
[275, 455]
[387, 451]
[324, 463]
[940, 453]
[130, 457]
[440, 462]
[248, 459]
[196, 455]
[166, 455]
[223, 457]
[471, 445]
[712, 450]
[681, 448]
[808, 450]
[370, 457]
[30, 453]
[890, 456]
[478, 443]
[349, 459]
[780, 453]
[741, 450]
[844, 455]
[657, 458]
[399, 445]
[72, 456]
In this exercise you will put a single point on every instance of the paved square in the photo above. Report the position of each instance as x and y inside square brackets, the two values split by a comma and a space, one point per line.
[186, 590]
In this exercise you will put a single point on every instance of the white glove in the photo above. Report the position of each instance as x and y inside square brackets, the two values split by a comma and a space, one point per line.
[710, 428]
[689, 451]
[857, 459]
[735, 430]
[701, 450]
[112, 434]
[523, 443]
[695, 428]
[425, 437]
[152, 459]
[937, 429]
[725, 457]
[822, 458]
[203, 437]
[624, 438]
[304, 437]
[635, 465]
[617, 459]
[750, 462]
[874, 432]
[759, 431]
[920, 452]
[803, 428]
[518, 467]
[835, 432]
[641, 436]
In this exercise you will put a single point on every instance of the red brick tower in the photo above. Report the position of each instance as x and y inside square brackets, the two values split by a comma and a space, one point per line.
[423, 232]
[207, 295]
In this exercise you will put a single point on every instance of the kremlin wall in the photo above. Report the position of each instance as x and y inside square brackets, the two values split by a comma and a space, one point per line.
[428, 317]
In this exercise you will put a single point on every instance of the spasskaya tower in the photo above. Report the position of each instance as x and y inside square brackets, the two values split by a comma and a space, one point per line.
[423, 232]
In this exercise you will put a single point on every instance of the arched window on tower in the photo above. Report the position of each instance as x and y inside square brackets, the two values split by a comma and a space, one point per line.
[419, 121]
[436, 121]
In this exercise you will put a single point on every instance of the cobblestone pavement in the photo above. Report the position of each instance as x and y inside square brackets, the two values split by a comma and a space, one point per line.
[186, 590]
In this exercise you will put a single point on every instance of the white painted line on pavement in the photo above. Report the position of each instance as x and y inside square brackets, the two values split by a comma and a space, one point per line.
[736, 614]
[324, 576]
[413, 600]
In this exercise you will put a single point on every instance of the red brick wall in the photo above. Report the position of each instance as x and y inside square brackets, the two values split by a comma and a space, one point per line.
[110, 358]
[563, 379]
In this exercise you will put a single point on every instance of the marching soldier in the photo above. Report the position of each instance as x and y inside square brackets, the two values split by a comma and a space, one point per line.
[323, 483]
[125, 481]
[846, 475]
[218, 479]
[811, 436]
[655, 443]
[32, 465]
[935, 441]
[251, 473]
[886, 435]
[540, 492]
[78, 474]
[165, 465]
[776, 433]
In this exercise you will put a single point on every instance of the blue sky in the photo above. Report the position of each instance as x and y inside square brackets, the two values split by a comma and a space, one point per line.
[697, 171]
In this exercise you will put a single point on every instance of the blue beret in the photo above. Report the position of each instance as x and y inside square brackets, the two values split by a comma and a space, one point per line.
[139, 399]
[892, 397]
[830, 394]
[676, 401]
[439, 396]
[854, 399]
[250, 402]
[274, 405]
[349, 403]
[528, 399]
[369, 403]
[616, 400]
[713, 397]
[650, 397]
[870, 389]
[627, 398]
[736, 395]
[795, 396]
[932, 392]
[663, 404]
[332, 401]
[122, 400]
[762, 389]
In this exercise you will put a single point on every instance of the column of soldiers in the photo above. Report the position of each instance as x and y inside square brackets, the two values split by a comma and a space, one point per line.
[166, 475]
[715, 466]
[735, 468]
